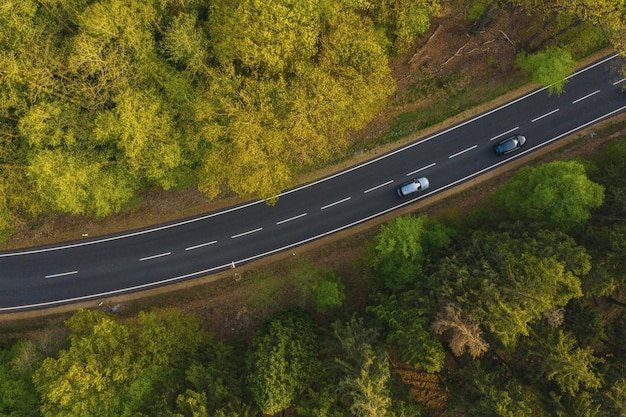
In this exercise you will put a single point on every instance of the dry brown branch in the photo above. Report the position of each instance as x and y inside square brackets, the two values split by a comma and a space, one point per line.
[421, 49]
[457, 53]
[483, 44]
[507, 38]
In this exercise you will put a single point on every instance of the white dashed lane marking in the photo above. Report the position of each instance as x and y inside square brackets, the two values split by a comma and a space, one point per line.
[62, 274]
[378, 186]
[335, 203]
[463, 151]
[421, 169]
[504, 133]
[584, 97]
[201, 245]
[147, 258]
[291, 218]
[544, 115]
[246, 233]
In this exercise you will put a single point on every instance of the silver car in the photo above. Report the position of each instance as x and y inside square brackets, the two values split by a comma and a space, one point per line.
[416, 185]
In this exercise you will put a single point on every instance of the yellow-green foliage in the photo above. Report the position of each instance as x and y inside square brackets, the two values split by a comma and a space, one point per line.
[128, 93]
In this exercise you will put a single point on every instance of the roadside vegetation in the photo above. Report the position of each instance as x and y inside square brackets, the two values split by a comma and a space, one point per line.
[515, 308]
[104, 101]
[505, 311]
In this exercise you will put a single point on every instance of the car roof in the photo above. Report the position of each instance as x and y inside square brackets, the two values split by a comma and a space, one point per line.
[414, 185]
[409, 187]
[508, 144]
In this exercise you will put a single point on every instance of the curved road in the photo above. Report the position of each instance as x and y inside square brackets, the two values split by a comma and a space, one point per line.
[89, 269]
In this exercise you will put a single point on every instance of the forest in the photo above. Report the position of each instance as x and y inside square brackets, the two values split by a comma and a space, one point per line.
[101, 100]
[517, 308]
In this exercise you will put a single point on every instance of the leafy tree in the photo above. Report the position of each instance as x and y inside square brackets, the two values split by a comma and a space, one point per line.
[330, 293]
[550, 68]
[585, 323]
[255, 143]
[322, 287]
[405, 19]
[365, 384]
[407, 329]
[556, 357]
[80, 182]
[143, 127]
[281, 360]
[191, 404]
[7, 219]
[491, 393]
[610, 162]
[116, 369]
[133, 93]
[353, 53]
[219, 375]
[607, 14]
[617, 397]
[187, 44]
[505, 283]
[398, 254]
[402, 245]
[18, 396]
[269, 37]
[577, 17]
[558, 193]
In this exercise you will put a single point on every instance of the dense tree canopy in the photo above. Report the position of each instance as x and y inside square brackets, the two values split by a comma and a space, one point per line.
[550, 67]
[558, 193]
[366, 374]
[282, 360]
[116, 369]
[402, 245]
[99, 99]
[516, 280]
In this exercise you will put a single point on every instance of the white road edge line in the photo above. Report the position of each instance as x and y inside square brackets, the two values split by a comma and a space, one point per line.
[620, 81]
[302, 242]
[252, 203]
[463, 151]
[378, 186]
[504, 133]
[62, 274]
[291, 218]
[584, 97]
[421, 169]
[246, 233]
[201, 245]
[335, 203]
[544, 115]
[147, 258]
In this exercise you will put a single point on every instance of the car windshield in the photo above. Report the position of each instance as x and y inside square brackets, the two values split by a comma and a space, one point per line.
[508, 145]
[409, 188]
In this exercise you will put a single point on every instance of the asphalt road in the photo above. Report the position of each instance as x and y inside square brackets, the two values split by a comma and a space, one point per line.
[89, 269]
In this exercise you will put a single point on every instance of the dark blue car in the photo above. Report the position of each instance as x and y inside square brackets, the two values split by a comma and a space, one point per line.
[510, 144]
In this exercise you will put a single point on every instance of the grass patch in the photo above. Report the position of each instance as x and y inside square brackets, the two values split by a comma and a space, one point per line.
[452, 96]
[266, 294]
